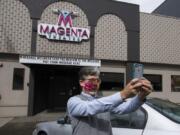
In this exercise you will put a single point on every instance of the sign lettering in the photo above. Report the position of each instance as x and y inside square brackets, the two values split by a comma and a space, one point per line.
[64, 29]
[58, 61]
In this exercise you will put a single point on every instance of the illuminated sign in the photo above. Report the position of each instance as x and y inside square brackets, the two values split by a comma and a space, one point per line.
[28, 59]
[64, 29]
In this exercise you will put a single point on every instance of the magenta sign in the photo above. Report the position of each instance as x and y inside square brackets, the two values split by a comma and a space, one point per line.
[64, 29]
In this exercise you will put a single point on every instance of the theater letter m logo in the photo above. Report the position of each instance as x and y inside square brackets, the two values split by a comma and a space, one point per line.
[64, 29]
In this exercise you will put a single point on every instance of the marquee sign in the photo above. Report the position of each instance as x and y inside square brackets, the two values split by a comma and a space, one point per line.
[64, 29]
[28, 59]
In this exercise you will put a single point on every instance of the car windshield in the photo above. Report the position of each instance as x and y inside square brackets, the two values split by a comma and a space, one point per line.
[167, 108]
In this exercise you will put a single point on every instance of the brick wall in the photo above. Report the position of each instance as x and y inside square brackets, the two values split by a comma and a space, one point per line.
[110, 38]
[15, 27]
[159, 39]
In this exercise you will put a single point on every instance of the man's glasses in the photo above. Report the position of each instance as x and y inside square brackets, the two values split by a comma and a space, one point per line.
[94, 79]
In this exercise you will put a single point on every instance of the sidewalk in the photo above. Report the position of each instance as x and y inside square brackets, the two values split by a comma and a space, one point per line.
[3, 121]
[25, 125]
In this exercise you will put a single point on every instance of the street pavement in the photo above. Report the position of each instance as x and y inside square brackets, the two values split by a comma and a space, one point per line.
[26, 125]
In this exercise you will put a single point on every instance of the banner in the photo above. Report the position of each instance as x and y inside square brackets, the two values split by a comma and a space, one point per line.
[28, 59]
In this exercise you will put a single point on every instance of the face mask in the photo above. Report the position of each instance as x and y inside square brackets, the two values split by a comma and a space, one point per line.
[89, 86]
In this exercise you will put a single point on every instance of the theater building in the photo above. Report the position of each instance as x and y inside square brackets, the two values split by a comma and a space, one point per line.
[44, 44]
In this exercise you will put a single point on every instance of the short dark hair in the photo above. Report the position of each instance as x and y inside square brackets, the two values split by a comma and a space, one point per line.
[85, 71]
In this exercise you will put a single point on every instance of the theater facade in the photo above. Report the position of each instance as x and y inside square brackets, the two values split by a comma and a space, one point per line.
[43, 44]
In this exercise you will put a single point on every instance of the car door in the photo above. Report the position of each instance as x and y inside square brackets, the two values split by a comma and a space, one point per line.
[129, 124]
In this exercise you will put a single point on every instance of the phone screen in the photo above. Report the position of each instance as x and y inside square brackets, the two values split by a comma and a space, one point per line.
[137, 70]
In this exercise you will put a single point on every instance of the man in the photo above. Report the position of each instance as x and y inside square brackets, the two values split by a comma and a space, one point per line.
[90, 115]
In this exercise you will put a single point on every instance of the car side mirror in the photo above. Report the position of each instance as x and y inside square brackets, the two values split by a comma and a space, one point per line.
[64, 120]
[61, 121]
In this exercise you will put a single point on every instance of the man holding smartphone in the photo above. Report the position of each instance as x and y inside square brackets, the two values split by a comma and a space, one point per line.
[90, 115]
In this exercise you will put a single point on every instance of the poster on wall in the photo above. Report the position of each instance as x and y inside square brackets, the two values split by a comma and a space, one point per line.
[29, 59]
[64, 29]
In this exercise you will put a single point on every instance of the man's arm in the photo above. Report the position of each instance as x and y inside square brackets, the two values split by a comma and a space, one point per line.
[78, 107]
[128, 106]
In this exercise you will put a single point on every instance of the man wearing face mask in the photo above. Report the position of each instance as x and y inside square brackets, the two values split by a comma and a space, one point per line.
[90, 115]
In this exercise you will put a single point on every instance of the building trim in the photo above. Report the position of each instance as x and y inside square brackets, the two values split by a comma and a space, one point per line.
[9, 57]
[148, 64]
[34, 36]
[92, 42]
[13, 106]
[31, 93]
[15, 58]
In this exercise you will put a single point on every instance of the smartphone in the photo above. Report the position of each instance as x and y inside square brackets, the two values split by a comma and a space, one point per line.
[138, 70]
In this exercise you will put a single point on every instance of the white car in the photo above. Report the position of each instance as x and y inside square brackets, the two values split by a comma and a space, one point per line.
[155, 117]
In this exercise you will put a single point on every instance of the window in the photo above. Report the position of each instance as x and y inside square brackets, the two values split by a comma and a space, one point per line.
[165, 107]
[120, 121]
[112, 81]
[18, 79]
[156, 81]
[175, 83]
[134, 120]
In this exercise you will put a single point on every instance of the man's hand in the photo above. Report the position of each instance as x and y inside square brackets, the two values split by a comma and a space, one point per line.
[132, 88]
[146, 88]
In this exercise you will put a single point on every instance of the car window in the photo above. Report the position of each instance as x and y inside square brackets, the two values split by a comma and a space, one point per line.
[169, 109]
[134, 120]
[120, 120]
